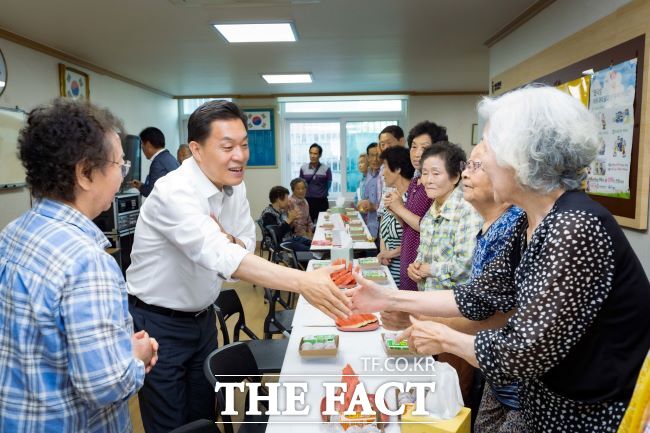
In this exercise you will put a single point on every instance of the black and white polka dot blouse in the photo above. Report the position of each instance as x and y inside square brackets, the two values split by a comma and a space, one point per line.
[582, 325]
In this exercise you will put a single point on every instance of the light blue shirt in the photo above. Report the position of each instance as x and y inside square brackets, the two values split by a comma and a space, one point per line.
[65, 341]
[372, 187]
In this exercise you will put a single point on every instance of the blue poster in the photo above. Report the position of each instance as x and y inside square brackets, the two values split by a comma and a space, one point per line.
[611, 100]
[261, 138]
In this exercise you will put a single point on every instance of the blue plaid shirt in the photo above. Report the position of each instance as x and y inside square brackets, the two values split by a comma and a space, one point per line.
[66, 362]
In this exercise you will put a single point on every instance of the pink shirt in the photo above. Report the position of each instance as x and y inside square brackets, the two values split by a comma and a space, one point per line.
[303, 225]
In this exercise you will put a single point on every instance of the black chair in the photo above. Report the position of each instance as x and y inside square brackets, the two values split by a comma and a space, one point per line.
[234, 363]
[269, 354]
[198, 426]
[277, 322]
[265, 244]
[277, 255]
[228, 305]
[297, 259]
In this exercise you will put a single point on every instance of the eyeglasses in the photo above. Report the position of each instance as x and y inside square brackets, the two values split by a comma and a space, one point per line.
[125, 167]
[470, 165]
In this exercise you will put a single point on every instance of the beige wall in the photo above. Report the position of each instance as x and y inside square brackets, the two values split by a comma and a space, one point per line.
[33, 78]
[456, 113]
[260, 180]
[560, 20]
[568, 17]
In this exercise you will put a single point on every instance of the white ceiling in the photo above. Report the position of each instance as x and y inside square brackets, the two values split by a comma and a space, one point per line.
[348, 45]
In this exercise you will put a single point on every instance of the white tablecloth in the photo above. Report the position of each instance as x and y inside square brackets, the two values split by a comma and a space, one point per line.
[354, 348]
[319, 234]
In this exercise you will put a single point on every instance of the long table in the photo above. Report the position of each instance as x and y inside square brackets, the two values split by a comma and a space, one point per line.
[319, 233]
[358, 349]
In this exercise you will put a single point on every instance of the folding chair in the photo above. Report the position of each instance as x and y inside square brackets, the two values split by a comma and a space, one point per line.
[277, 322]
[265, 244]
[234, 363]
[269, 354]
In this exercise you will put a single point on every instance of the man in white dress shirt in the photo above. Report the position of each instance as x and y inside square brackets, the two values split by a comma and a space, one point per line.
[194, 232]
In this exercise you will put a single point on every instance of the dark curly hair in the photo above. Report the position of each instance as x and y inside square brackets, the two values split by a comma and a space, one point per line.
[57, 137]
[436, 132]
[399, 158]
[451, 153]
[278, 193]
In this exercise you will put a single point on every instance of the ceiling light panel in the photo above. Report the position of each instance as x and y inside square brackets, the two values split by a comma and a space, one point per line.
[260, 32]
[287, 78]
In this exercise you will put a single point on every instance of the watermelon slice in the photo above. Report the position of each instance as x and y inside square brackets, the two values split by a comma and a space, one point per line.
[352, 380]
[358, 322]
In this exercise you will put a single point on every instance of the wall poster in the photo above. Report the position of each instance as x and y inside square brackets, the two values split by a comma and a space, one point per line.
[611, 98]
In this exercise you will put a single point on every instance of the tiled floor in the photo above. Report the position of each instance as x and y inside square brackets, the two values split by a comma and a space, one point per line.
[255, 310]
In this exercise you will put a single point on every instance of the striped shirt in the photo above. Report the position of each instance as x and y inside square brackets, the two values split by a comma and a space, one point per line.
[447, 240]
[65, 343]
[391, 233]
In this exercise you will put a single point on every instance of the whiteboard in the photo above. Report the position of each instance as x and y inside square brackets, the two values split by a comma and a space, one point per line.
[12, 172]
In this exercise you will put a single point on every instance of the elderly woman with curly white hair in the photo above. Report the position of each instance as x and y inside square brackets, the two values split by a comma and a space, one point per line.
[579, 334]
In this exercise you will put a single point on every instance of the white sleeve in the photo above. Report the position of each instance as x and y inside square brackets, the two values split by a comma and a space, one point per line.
[181, 219]
[245, 231]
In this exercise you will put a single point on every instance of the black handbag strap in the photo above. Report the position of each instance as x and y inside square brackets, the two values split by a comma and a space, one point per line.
[315, 171]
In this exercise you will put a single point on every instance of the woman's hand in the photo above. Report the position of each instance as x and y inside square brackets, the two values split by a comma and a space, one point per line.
[416, 271]
[368, 296]
[426, 337]
[395, 320]
[384, 257]
[364, 205]
[145, 349]
[292, 215]
[393, 201]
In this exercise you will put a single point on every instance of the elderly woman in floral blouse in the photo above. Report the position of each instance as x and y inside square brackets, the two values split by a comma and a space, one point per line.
[302, 225]
[579, 335]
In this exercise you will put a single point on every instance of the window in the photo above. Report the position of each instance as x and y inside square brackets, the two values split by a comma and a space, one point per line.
[344, 106]
[343, 128]
[189, 105]
[327, 135]
[186, 107]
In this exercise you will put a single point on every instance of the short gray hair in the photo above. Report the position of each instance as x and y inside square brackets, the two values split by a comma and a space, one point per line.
[548, 137]
[296, 181]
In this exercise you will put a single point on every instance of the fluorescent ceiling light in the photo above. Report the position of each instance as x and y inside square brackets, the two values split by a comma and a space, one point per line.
[2, 83]
[270, 32]
[287, 78]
